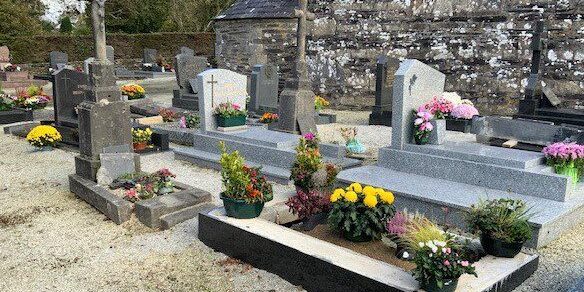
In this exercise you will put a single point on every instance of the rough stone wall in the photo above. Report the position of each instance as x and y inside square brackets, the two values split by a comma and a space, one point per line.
[482, 45]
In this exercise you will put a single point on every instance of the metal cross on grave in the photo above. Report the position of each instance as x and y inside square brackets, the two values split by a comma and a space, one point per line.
[212, 82]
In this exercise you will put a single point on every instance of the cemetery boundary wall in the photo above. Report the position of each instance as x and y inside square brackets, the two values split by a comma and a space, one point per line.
[482, 46]
[36, 49]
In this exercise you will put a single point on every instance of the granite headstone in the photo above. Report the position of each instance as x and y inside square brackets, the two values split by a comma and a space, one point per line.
[187, 51]
[58, 59]
[149, 56]
[264, 89]
[216, 86]
[415, 83]
[70, 86]
[188, 67]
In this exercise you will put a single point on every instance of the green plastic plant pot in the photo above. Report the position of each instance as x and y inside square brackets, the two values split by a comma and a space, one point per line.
[449, 286]
[226, 122]
[240, 209]
[499, 248]
[361, 238]
[570, 171]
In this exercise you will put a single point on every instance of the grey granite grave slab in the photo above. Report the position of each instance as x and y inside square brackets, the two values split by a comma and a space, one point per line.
[431, 195]
[260, 136]
[186, 50]
[526, 131]
[538, 181]
[415, 83]
[216, 86]
[149, 56]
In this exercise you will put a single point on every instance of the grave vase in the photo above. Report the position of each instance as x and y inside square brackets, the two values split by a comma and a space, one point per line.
[226, 122]
[240, 209]
[570, 171]
[449, 286]
[438, 134]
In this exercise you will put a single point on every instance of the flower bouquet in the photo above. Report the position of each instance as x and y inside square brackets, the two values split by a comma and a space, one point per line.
[230, 115]
[268, 118]
[320, 103]
[246, 190]
[360, 213]
[141, 138]
[423, 127]
[440, 108]
[43, 137]
[133, 91]
[566, 159]
[189, 121]
[353, 145]
[141, 186]
[32, 98]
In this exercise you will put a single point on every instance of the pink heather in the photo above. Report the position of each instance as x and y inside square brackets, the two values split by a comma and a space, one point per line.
[564, 151]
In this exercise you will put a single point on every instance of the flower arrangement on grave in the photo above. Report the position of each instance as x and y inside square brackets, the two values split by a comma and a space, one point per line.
[309, 172]
[133, 91]
[422, 127]
[168, 115]
[353, 145]
[360, 213]
[32, 98]
[6, 103]
[566, 159]
[439, 107]
[141, 138]
[189, 121]
[503, 225]
[246, 190]
[268, 118]
[11, 68]
[464, 112]
[439, 265]
[143, 186]
[43, 137]
[320, 103]
[230, 114]
[161, 62]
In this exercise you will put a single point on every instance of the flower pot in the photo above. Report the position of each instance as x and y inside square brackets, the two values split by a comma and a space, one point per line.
[354, 146]
[498, 248]
[361, 238]
[226, 122]
[140, 146]
[570, 171]
[438, 134]
[449, 286]
[240, 209]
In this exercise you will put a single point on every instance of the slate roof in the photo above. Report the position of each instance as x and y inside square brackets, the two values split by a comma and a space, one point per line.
[250, 9]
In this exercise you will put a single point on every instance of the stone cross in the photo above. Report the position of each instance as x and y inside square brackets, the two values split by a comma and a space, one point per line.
[537, 46]
[98, 21]
[300, 67]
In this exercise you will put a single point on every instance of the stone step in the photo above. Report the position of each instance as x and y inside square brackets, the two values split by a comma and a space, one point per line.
[481, 153]
[260, 136]
[538, 181]
[211, 160]
[432, 196]
[170, 220]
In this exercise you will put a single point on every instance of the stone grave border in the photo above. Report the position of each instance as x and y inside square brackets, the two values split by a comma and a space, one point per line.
[318, 265]
[160, 212]
[15, 116]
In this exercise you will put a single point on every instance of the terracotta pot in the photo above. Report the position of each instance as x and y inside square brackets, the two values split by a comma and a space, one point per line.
[140, 146]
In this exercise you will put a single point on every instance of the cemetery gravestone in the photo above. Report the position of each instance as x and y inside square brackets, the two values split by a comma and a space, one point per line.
[187, 67]
[218, 86]
[415, 83]
[110, 53]
[384, 78]
[86, 63]
[149, 56]
[264, 89]
[187, 51]
[4, 56]
[70, 87]
[58, 59]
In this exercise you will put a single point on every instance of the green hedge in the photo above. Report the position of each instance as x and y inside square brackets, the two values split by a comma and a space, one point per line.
[36, 49]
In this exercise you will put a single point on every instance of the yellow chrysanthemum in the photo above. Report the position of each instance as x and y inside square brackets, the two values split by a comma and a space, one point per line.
[370, 201]
[351, 196]
[339, 192]
[356, 187]
[369, 191]
[387, 197]
[379, 191]
[335, 197]
[43, 135]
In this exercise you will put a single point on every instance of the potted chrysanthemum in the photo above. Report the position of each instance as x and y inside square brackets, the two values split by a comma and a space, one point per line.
[360, 213]
[246, 190]
[230, 115]
[566, 159]
[43, 137]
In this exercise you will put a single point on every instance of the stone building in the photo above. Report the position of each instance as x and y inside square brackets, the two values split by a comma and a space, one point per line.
[482, 45]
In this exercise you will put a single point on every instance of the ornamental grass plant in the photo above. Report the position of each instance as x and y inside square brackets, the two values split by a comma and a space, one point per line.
[505, 220]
